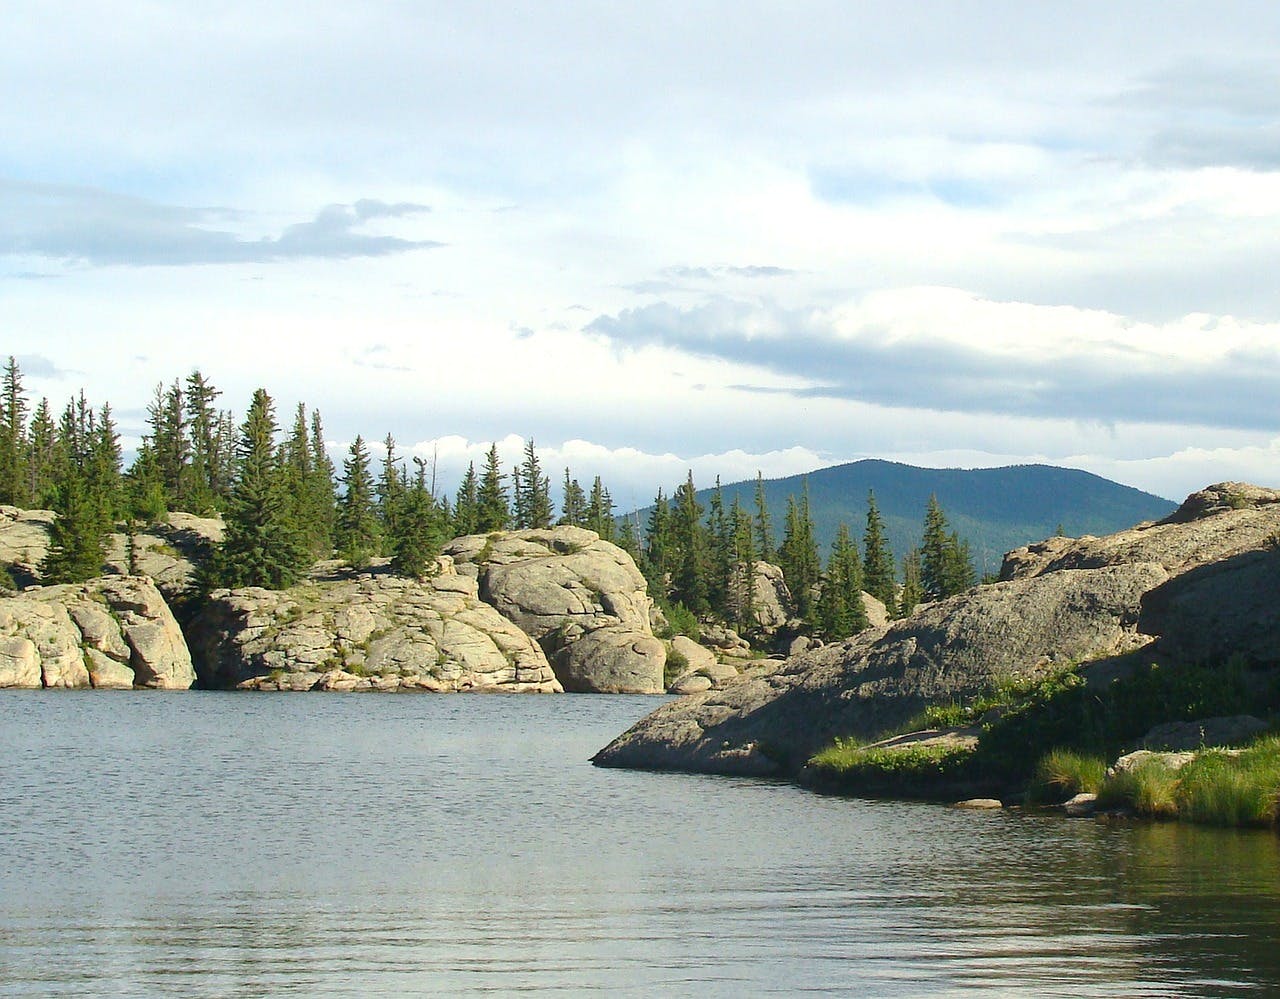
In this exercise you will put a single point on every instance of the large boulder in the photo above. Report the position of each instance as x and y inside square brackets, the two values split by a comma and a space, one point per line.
[116, 631]
[1200, 586]
[168, 552]
[581, 598]
[24, 542]
[774, 717]
[367, 631]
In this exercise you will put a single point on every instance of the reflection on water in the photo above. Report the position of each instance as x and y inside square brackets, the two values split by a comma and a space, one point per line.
[227, 845]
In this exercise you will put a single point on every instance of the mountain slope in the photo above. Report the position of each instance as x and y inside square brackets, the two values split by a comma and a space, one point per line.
[996, 509]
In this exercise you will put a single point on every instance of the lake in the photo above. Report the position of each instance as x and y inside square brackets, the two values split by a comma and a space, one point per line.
[223, 844]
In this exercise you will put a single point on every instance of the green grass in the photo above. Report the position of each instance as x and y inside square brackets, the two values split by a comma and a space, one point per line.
[1064, 773]
[1150, 789]
[1218, 789]
[848, 760]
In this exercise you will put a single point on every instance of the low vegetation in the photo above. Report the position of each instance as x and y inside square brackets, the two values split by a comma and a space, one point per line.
[1084, 724]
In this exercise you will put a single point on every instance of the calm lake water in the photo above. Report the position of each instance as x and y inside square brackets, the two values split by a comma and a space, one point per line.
[214, 844]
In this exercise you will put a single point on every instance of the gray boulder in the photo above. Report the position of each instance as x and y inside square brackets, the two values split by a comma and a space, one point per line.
[24, 541]
[582, 599]
[167, 552]
[367, 631]
[1177, 737]
[775, 716]
[116, 631]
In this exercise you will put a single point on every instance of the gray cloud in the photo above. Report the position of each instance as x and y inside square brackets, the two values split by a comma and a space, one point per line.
[681, 277]
[1127, 385]
[101, 228]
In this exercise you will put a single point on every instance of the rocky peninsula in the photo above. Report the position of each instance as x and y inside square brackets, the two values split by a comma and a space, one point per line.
[1198, 591]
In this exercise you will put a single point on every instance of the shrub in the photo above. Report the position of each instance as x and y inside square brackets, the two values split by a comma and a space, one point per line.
[1064, 773]
[680, 621]
[677, 663]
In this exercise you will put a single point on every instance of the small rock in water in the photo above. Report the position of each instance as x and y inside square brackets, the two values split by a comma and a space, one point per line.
[980, 804]
[1081, 805]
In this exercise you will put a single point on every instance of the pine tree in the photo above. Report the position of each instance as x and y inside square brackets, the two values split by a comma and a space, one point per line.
[466, 507]
[492, 510]
[798, 554]
[13, 414]
[391, 489]
[102, 472]
[912, 592]
[199, 494]
[358, 536]
[419, 529]
[629, 540]
[261, 545]
[168, 420]
[77, 542]
[532, 491]
[322, 492]
[742, 597]
[933, 549]
[720, 553]
[658, 547]
[573, 502]
[763, 524]
[600, 511]
[877, 559]
[41, 456]
[841, 612]
[143, 490]
[690, 556]
[946, 567]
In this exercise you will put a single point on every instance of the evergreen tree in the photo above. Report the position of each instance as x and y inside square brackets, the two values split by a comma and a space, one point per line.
[573, 502]
[912, 592]
[168, 420]
[13, 415]
[321, 493]
[492, 510]
[629, 540]
[600, 510]
[199, 493]
[102, 472]
[41, 456]
[946, 567]
[519, 500]
[358, 536]
[690, 556]
[798, 554]
[466, 507]
[763, 524]
[720, 553]
[658, 547]
[77, 542]
[261, 545]
[419, 529]
[143, 490]
[742, 598]
[877, 559]
[933, 549]
[532, 491]
[841, 611]
[392, 489]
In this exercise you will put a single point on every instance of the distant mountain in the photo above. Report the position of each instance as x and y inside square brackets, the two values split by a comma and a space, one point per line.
[996, 509]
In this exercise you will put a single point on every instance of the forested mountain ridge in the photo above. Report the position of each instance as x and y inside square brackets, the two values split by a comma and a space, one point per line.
[995, 509]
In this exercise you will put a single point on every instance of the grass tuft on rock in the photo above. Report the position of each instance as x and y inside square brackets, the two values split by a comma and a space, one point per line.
[1222, 789]
[1063, 773]
[1150, 789]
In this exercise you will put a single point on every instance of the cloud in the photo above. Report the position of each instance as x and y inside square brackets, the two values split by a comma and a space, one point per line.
[997, 358]
[103, 228]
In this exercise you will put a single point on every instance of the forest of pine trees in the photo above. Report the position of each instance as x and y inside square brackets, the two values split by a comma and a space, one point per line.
[285, 506]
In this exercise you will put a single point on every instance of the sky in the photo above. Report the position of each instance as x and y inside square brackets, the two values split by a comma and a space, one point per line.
[653, 237]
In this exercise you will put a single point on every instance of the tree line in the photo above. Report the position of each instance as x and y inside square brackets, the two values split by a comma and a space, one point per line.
[285, 506]
[283, 502]
[703, 560]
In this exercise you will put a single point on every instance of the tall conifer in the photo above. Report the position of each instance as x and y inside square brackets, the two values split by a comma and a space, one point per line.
[877, 559]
